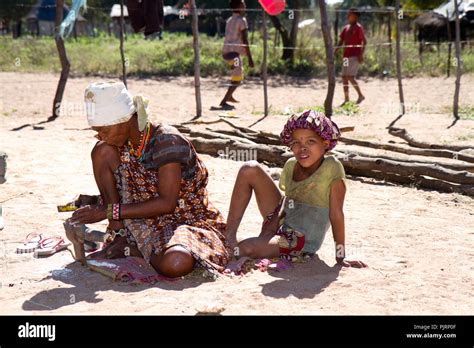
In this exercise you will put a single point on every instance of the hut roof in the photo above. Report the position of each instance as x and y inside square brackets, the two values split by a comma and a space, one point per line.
[45, 10]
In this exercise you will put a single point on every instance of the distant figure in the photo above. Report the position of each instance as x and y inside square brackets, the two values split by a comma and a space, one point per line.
[235, 44]
[147, 16]
[354, 41]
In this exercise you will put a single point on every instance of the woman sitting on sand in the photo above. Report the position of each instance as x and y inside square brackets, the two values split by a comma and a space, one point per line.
[152, 189]
[314, 185]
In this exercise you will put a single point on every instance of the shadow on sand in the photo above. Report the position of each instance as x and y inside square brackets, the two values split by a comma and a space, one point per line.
[303, 280]
[88, 284]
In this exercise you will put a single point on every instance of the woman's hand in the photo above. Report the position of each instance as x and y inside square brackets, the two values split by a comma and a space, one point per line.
[348, 263]
[89, 214]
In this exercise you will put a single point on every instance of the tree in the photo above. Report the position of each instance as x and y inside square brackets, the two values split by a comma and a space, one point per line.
[11, 12]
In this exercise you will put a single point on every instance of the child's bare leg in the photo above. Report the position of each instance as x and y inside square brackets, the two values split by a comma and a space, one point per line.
[357, 88]
[228, 96]
[345, 86]
[251, 177]
[258, 247]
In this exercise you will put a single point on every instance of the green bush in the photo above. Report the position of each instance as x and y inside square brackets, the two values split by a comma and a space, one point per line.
[174, 56]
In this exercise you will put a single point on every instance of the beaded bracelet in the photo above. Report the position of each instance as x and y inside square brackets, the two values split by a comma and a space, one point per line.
[116, 211]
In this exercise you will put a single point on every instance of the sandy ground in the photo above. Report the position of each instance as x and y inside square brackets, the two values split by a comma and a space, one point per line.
[419, 244]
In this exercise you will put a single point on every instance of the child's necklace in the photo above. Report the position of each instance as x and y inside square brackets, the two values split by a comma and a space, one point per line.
[144, 138]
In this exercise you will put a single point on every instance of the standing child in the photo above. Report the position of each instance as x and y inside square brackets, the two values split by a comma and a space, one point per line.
[235, 45]
[314, 190]
[354, 41]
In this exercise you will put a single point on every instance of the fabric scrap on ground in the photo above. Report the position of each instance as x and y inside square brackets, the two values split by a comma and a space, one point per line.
[133, 270]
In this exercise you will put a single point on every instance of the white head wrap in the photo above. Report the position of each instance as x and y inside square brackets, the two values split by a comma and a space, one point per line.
[110, 103]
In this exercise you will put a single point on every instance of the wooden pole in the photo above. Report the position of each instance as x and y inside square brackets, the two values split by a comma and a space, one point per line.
[448, 66]
[122, 54]
[197, 65]
[399, 66]
[331, 71]
[264, 65]
[65, 65]
[336, 28]
[457, 46]
[389, 24]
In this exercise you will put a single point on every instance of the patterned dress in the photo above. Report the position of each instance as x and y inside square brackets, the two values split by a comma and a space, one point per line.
[195, 224]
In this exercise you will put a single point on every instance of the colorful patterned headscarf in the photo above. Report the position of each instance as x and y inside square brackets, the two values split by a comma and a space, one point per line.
[315, 121]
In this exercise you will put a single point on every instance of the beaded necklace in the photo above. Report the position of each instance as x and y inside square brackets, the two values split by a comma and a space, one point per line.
[144, 138]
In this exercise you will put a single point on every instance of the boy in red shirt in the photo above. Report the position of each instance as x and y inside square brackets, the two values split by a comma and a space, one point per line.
[354, 41]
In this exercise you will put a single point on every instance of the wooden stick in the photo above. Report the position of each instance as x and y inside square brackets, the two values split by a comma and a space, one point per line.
[122, 53]
[416, 181]
[453, 166]
[409, 151]
[209, 134]
[402, 133]
[389, 33]
[408, 169]
[457, 46]
[331, 71]
[364, 166]
[264, 70]
[197, 65]
[399, 65]
[264, 67]
[448, 66]
[256, 138]
[262, 153]
[65, 65]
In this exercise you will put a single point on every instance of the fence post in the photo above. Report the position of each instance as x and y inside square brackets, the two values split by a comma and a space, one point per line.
[264, 65]
[197, 65]
[399, 67]
[122, 54]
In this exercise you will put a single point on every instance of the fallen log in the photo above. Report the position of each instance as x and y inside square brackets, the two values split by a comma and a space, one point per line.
[406, 169]
[409, 151]
[235, 150]
[215, 135]
[390, 170]
[417, 181]
[453, 166]
[403, 134]
[263, 137]
[256, 138]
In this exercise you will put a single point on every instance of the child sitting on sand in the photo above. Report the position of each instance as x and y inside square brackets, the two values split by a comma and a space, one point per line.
[314, 187]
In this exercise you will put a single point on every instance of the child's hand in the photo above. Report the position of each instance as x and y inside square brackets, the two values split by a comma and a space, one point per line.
[355, 264]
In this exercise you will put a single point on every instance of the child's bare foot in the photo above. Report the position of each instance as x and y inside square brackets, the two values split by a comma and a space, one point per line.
[225, 106]
[360, 100]
[232, 100]
[344, 103]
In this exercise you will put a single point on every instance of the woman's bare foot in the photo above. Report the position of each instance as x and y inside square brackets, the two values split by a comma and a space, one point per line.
[360, 100]
[232, 100]
[116, 249]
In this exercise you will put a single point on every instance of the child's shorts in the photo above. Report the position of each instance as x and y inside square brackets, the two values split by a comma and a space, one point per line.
[291, 242]
[350, 66]
[235, 64]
